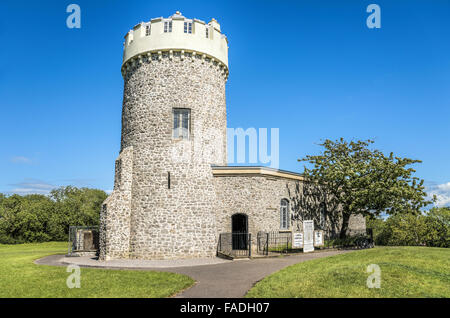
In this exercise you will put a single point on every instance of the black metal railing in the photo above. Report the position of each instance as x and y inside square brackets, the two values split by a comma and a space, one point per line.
[276, 242]
[235, 244]
[281, 242]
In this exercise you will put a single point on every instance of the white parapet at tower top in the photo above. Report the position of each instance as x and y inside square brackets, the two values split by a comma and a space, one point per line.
[177, 33]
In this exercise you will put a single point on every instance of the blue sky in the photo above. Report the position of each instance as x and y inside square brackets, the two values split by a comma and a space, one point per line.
[311, 68]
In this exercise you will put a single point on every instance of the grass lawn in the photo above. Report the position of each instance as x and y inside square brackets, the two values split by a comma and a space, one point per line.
[405, 272]
[20, 277]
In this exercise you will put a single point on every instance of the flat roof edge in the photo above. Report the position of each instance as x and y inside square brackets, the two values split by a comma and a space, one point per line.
[222, 171]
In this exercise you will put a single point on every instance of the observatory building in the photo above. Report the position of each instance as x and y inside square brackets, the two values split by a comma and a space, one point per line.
[173, 191]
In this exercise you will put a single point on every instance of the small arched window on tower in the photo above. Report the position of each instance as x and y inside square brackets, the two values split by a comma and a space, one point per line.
[284, 214]
[148, 29]
[181, 123]
[207, 32]
[167, 26]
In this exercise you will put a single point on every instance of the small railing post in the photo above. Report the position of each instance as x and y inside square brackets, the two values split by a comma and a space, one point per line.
[249, 245]
[287, 245]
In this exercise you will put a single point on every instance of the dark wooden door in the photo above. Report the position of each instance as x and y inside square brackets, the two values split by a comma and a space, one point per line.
[239, 229]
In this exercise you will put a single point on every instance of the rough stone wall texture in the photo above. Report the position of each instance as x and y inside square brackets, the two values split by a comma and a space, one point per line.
[259, 197]
[116, 211]
[357, 224]
[256, 196]
[178, 222]
[143, 217]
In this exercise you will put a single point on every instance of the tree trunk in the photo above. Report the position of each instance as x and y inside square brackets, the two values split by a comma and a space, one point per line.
[344, 227]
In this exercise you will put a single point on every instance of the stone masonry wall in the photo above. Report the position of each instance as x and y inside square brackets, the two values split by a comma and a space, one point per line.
[146, 218]
[259, 197]
[178, 222]
[116, 211]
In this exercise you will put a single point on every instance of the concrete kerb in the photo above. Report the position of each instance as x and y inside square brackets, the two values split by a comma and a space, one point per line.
[86, 261]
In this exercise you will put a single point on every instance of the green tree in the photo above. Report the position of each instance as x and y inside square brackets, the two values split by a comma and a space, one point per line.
[77, 206]
[359, 180]
[430, 228]
[407, 229]
[437, 222]
[25, 218]
[37, 218]
[9, 208]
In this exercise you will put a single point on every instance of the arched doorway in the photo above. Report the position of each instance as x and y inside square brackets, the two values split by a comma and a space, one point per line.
[239, 229]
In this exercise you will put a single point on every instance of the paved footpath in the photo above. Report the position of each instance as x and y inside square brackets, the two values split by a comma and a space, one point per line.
[230, 279]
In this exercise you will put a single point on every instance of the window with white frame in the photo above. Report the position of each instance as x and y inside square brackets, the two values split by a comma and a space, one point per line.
[207, 32]
[147, 29]
[167, 26]
[187, 27]
[181, 123]
[284, 214]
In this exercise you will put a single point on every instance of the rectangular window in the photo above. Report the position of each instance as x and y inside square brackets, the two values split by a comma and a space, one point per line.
[187, 27]
[207, 33]
[167, 26]
[181, 123]
[147, 29]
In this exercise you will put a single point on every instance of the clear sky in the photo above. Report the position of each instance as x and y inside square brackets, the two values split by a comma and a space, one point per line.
[313, 69]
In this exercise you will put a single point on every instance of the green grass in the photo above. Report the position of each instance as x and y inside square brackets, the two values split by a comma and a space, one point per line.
[405, 272]
[20, 277]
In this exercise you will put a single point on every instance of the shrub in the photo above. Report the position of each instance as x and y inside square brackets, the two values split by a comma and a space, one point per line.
[431, 228]
[40, 218]
[437, 224]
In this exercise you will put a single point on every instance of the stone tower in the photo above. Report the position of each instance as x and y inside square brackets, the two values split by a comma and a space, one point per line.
[173, 130]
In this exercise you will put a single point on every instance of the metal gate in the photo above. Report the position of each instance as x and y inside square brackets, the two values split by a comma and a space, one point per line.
[273, 242]
[235, 245]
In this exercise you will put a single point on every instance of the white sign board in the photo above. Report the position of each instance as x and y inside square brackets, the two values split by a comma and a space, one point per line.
[318, 238]
[297, 240]
[308, 236]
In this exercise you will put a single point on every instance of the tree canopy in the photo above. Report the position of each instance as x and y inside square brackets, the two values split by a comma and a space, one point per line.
[359, 180]
[431, 228]
[39, 218]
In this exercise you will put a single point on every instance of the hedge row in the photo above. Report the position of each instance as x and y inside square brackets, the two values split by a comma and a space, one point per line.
[40, 218]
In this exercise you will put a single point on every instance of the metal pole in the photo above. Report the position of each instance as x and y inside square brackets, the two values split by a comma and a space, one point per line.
[249, 245]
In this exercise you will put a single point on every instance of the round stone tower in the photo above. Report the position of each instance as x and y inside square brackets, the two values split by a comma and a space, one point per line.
[173, 130]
